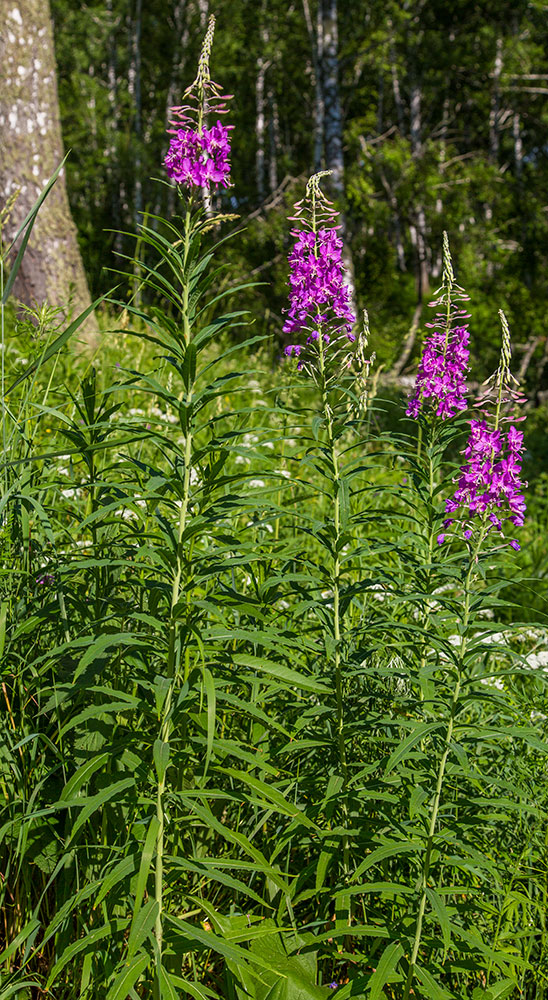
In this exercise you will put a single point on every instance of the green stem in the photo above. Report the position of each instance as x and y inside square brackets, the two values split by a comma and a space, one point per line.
[430, 545]
[441, 774]
[173, 660]
[335, 583]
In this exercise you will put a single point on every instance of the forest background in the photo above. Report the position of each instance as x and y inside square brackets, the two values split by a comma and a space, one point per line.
[431, 116]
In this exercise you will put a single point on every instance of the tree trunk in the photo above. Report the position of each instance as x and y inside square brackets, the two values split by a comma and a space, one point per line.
[494, 115]
[418, 228]
[260, 103]
[396, 84]
[203, 7]
[316, 48]
[274, 139]
[333, 125]
[437, 263]
[333, 113]
[518, 144]
[495, 105]
[112, 129]
[134, 82]
[181, 32]
[31, 148]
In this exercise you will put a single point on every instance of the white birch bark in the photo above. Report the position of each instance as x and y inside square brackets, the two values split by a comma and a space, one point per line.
[31, 148]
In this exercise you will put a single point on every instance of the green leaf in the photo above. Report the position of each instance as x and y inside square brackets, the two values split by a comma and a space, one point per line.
[211, 713]
[144, 867]
[420, 729]
[27, 225]
[122, 870]
[435, 991]
[324, 862]
[161, 753]
[386, 851]
[141, 926]
[167, 988]
[57, 344]
[99, 646]
[90, 805]
[496, 991]
[85, 943]
[28, 933]
[82, 775]
[127, 978]
[14, 989]
[272, 795]
[189, 366]
[440, 910]
[385, 967]
[281, 673]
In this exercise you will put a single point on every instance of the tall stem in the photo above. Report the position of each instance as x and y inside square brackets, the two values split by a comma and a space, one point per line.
[173, 660]
[335, 583]
[430, 545]
[335, 577]
[441, 774]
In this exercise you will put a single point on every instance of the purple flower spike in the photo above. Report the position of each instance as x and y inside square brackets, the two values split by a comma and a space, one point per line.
[490, 482]
[199, 159]
[490, 487]
[318, 294]
[198, 155]
[441, 375]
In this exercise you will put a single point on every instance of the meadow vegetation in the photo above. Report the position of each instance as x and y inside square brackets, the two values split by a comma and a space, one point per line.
[274, 637]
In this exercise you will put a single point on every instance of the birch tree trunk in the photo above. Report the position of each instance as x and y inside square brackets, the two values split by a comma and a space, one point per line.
[203, 7]
[260, 103]
[418, 228]
[332, 105]
[181, 30]
[494, 116]
[316, 49]
[115, 183]
[274, 138]
[138, 104]
[495, 105]
[31, 148]
[333, 125]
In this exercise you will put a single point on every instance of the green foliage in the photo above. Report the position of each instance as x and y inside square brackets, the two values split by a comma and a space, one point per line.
[260, 733]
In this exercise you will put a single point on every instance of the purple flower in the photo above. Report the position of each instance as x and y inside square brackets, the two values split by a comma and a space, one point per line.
[490, 485]
[199, 158]
[318, 295]
[441, 375]
[333, 985]
[46, 580]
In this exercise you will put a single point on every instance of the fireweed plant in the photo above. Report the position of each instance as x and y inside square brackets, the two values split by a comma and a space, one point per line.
[320, 313]
[456, 724]
[267, 733]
